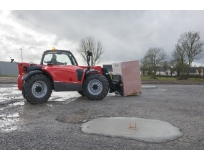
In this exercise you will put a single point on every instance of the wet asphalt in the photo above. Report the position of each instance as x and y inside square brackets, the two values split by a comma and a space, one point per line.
[56, 125]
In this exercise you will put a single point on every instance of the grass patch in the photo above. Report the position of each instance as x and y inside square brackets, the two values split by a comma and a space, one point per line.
[147, 78]
[8, 76]
[161, 78]
[196, 79]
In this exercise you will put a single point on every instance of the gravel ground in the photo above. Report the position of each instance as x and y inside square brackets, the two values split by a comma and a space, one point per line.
[13, 80]
[56, 125]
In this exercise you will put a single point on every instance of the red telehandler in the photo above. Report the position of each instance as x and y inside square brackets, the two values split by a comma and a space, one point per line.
[59, 71]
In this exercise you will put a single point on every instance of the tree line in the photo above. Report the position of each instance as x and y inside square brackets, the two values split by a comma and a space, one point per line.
[188, 48]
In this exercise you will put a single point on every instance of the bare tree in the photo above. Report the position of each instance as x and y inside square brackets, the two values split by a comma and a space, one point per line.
[188, 49]
[173, 66]
[90, 44]
[153, 59]
[143, 66]
[165, 67]
[180, 59]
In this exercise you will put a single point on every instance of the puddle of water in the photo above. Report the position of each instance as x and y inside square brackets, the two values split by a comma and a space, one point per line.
[14, 115]
[148, 130]
[65, 97]
[9, 122]
[12, 104]
[16, 92]
[17, 103]
[149, 87]
[70, 100]
[2, 100]
[11, 92]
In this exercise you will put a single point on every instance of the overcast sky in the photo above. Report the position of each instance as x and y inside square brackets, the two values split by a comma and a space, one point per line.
[124, 34]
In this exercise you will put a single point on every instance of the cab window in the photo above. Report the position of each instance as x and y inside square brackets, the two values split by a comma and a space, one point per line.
[59, 58]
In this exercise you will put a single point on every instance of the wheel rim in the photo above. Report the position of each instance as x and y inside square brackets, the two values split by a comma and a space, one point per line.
[39, 89]
[95, 87]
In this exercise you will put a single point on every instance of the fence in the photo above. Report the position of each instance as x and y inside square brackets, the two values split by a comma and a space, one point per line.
[8, 69]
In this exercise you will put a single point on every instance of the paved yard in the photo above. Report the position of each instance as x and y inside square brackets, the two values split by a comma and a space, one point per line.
[57, 123]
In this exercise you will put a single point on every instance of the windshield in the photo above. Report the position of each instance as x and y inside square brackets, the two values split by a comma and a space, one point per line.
[59, 58]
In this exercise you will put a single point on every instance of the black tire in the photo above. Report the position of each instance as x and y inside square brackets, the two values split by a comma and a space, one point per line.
[81, 93]
[37, 89]
[23, 93]
[95, 87]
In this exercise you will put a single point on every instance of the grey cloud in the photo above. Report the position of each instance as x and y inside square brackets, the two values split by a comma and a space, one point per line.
[124, 35]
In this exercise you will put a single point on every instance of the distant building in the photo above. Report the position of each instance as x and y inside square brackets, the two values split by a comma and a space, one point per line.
[197, 71]
[165, 73]
[193, 71]
[8, 68]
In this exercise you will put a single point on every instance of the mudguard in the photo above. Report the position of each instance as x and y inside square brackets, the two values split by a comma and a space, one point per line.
[29, 74]
[19, 82]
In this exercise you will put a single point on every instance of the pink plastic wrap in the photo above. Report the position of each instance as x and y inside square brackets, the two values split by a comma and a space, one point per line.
[130, 74]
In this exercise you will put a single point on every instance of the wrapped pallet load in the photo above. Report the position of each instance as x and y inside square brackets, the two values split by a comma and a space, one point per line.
[129, 72]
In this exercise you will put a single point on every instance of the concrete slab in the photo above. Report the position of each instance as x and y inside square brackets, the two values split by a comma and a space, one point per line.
[148, 130]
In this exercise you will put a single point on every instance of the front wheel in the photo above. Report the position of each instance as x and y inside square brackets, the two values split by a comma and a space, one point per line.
[95, 87]
[37, 89]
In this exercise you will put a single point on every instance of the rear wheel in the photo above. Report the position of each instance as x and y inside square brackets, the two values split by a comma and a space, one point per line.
[23, 93]
[95, 87]
[37, 89]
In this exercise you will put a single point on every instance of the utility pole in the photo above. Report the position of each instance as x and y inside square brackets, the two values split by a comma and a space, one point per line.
[21, 55]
